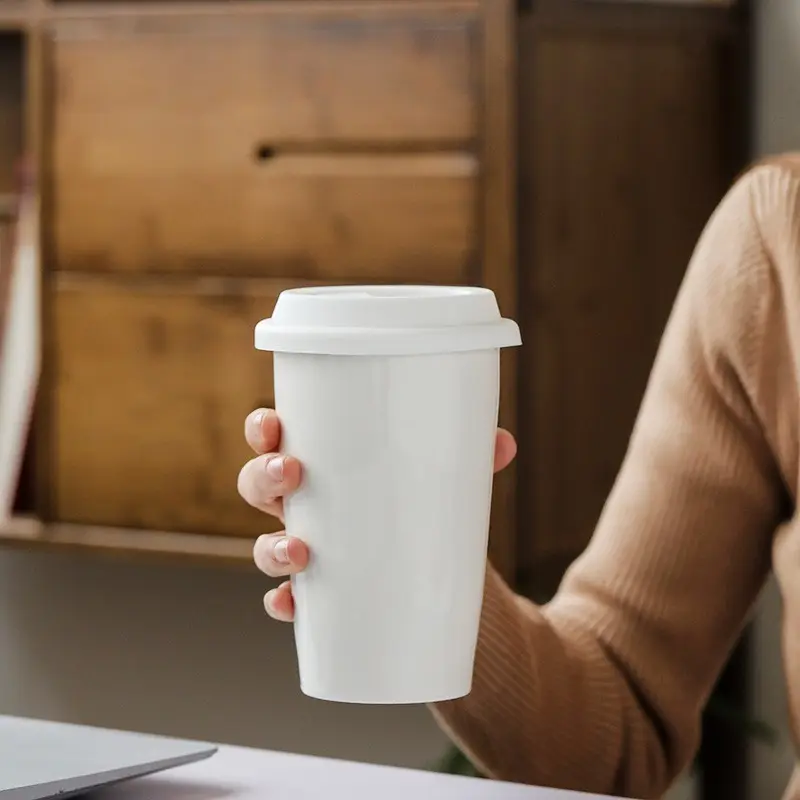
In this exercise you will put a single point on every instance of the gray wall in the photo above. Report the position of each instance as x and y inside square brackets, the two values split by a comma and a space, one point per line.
[179, 650]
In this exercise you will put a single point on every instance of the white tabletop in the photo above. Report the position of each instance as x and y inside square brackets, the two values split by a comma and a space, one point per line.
[236, 773]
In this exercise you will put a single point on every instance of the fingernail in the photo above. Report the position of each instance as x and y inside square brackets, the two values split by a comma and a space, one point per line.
[280, 552]
[256, 422]
[275, 468]
[258, 418]
[268, 598]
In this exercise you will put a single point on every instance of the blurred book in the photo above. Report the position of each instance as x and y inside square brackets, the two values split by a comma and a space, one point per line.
[20, 337]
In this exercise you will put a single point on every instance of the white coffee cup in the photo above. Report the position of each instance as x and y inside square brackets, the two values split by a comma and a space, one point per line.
[388, 395]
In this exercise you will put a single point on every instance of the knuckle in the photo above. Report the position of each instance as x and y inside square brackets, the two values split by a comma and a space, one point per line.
[247, 485]
[254, 484]
[241, 482]
[271, 570]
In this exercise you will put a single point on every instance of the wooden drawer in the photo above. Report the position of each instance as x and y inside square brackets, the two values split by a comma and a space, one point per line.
[152, 385]
[313, 140]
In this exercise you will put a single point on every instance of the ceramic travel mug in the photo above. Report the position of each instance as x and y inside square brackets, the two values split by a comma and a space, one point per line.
[388, 395]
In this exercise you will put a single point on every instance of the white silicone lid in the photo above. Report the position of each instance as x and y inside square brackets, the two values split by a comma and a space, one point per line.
[385, 320]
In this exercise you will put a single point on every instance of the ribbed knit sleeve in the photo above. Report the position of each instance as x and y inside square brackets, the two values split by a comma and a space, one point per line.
[602, 689]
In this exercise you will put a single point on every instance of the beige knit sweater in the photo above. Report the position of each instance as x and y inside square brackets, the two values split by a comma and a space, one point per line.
[602, 689]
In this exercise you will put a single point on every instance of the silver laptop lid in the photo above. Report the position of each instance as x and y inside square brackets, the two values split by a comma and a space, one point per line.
[41, 760]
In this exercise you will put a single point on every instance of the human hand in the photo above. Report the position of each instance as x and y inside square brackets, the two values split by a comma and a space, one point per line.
[266, 479]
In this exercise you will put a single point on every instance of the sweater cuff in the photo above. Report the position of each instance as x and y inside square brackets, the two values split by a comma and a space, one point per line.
[469, 720]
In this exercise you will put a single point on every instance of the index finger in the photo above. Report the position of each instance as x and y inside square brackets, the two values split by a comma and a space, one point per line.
[262, 429]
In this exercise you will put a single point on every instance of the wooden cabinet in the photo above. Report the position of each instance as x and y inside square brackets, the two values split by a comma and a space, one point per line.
[195, 160]
[632, 126]
[298, 73]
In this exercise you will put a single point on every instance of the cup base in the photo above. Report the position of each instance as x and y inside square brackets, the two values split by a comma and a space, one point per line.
[396, 699]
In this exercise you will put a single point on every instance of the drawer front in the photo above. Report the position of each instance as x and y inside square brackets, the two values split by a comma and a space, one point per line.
[152, 385]
[313, 142]
[316, 217]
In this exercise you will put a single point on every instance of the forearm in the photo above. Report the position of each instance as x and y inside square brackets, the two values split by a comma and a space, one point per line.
[550, 707]
[602, 690]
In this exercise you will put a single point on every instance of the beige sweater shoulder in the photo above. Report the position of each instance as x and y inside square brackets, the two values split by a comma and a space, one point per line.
[602, 689]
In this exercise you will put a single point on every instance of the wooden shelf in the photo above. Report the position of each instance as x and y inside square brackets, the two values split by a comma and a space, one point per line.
[26, 532]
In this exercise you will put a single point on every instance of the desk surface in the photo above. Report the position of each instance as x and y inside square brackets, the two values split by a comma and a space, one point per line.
[236, 773]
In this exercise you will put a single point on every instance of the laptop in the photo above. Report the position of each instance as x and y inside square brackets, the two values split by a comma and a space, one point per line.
[41, 760]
